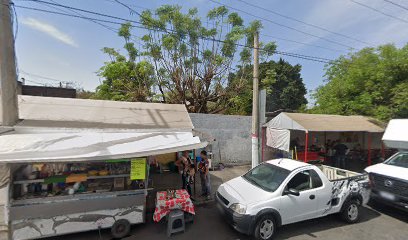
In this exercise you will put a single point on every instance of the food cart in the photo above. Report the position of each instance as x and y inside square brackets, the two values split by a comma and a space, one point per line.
[66, 182]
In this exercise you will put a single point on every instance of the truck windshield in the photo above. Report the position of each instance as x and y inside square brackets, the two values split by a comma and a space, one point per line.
[266, 176]
[399, 160]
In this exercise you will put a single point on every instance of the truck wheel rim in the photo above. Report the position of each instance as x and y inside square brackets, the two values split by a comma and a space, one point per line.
[266, 229]
[352, 212]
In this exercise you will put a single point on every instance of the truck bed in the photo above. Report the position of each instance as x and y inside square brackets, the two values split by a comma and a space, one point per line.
[333, 173]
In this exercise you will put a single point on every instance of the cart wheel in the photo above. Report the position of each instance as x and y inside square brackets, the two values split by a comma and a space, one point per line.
[121, 228]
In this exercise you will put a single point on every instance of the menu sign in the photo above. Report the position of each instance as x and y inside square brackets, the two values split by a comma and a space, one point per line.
[138, 169]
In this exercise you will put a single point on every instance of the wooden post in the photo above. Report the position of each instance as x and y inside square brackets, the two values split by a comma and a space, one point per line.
[369, 149]
[306, 145]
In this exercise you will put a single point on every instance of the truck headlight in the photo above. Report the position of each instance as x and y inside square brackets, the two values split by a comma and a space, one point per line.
[238, 208]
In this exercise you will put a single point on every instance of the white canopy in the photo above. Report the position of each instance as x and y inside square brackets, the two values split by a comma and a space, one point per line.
[396, 134]
[92, 146]
[323, 123]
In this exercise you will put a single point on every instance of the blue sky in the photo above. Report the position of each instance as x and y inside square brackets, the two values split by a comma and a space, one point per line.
[69, 49]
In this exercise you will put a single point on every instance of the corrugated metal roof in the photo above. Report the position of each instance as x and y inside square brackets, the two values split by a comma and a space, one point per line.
[324, 123]
[85, 113]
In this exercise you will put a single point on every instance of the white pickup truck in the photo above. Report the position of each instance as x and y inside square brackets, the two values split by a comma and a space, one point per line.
[390, 178]
[284, 191]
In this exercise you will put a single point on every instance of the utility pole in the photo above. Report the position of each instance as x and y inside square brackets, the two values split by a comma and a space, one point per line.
[8, 75]
[255, 104]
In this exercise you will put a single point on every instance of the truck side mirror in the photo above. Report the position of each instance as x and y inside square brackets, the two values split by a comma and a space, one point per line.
[292, 191]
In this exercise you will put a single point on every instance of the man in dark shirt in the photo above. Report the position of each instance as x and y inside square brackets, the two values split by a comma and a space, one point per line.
[340, 155]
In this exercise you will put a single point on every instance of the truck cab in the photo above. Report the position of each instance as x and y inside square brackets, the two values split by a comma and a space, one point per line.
[285, 191]
[390, 178]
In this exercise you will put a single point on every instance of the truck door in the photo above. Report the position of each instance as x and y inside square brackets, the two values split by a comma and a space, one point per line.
[302, 207]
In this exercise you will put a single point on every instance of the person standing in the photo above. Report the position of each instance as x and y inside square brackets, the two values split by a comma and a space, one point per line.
[340, 154]
[183, 164]
[203, 168]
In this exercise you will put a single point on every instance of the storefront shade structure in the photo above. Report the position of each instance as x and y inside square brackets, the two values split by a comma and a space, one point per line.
[70, 130]
[396, 134]
[279, 128]
[60, 130]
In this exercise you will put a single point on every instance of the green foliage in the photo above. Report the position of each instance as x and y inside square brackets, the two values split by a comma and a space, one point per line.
[282, 81]
[124, 78]
[192, 60]
[371, 82]
[185, 61]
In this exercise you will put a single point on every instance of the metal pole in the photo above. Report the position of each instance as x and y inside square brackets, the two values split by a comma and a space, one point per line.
[306, 145]
[369, 149]
[255, 104]
[8, 75]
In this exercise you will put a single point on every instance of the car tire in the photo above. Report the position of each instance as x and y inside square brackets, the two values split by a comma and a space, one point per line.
[351, 211]
[120, 229]
[265, 228]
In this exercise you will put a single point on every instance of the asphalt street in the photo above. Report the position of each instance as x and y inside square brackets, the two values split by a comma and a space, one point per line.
[377, 222]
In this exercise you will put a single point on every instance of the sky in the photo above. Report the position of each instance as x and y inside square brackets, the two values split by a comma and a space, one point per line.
[52, 48]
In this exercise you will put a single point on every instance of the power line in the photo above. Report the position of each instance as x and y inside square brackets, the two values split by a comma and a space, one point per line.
[47, 78]
[379, 11]
[283, 53]
[296, 55]
[280, 38]
[284, 26]
[302, 43]
[303, 22]
[396, 4]
[91, 20]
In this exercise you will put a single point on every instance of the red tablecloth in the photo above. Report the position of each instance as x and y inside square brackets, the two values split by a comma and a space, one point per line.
[164, 206]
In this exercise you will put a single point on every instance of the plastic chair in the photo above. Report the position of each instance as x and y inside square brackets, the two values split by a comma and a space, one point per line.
[175, 222]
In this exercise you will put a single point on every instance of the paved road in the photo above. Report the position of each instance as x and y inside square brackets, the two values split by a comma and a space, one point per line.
[376, 223]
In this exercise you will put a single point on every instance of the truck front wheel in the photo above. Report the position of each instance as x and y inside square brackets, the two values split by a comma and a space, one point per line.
[265, 228]
[351, 211]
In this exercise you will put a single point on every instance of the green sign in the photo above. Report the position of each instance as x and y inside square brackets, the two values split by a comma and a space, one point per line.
[138, 169]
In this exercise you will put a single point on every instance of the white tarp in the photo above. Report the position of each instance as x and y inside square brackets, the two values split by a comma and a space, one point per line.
[324, 123]
[396, 134]
[278, 138]
[92, 146]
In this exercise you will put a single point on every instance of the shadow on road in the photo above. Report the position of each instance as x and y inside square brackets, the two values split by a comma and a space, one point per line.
[310, 227]
[389, 211]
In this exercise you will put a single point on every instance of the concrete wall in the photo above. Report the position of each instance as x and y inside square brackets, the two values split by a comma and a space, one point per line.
[232, 136]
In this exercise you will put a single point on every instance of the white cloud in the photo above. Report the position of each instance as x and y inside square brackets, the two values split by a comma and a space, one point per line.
[50, 30]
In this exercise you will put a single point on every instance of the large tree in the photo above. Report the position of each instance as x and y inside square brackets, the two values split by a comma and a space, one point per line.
[192, 58]
[125, 78]
[371, 82]
[283, 82]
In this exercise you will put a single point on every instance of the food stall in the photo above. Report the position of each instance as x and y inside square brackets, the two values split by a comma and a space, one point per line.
[66, 182]
[311, 132]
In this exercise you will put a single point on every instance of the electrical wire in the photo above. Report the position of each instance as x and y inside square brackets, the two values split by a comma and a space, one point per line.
[379, 11]
[261, 34]
[303, 22]
[47, 78]
[284, 26]
[295, 55]
[396, 4]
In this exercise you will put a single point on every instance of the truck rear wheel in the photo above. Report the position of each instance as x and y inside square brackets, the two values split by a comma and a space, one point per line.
[120, 229]
[265, 228]
[351, 211]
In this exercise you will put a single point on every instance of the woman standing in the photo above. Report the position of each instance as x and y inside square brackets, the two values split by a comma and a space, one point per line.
[203, 168]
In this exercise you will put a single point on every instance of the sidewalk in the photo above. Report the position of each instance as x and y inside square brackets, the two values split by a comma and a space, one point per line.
[169, 180]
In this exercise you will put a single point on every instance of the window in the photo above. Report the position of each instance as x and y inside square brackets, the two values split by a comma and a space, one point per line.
[400, 160]
[305, 180]
[316, 180]
[266, 176]
[300, 181]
